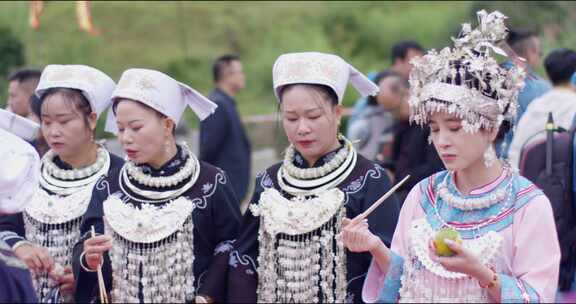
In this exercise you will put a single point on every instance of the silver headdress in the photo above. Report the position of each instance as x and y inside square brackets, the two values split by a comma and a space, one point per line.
[466, 80]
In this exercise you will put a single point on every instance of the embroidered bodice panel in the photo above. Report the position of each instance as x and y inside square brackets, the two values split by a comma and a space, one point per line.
[297, 215]
[424, 280]
[148, 223]
[55, 209]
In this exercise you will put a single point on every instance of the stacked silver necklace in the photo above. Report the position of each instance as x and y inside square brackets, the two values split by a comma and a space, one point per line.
[506, 200]
[191, 169]
[52, 219]
[459, 202]
[153, 243]
[298, 181]
[300, 258]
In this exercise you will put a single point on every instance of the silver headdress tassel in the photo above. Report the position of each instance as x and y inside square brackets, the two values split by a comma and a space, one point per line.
[485, 94]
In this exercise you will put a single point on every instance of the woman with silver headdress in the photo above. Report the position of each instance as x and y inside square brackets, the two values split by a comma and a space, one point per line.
[164, 214]
[71, 97]
[288, 249]
[477, 232]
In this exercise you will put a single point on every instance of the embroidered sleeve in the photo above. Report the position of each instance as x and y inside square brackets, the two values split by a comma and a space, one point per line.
[384, 287]
[515, 290]
[10, 238]
[534, 273]
[12, 229]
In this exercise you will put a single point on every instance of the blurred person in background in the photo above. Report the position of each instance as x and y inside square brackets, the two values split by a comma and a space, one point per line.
[21, 86]
[402, 53]
[223, 139]
[526, 44]
[560, 65]
[373, 133]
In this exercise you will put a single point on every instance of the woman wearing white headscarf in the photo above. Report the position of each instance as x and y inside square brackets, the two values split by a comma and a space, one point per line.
[288, 249]
[166, 212]
[71, 98]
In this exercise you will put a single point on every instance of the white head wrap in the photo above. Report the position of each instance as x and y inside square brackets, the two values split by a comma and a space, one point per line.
[19, 172]
[96, 86]
[319, 68]
[160, 92]
[18, 125]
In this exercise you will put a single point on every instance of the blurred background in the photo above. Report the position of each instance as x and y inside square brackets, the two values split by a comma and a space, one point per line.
[184, 38]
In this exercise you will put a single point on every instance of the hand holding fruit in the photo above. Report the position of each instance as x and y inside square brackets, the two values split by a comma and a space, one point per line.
[449, 252]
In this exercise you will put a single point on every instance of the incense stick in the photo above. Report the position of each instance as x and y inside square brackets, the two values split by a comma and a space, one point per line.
[367, 212]
[101, 286]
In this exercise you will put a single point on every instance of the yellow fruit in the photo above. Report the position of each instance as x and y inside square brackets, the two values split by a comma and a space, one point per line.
[446, 233]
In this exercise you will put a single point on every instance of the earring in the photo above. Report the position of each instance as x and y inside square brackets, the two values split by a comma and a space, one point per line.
[430, 139]
[167, 147]
[489, 156]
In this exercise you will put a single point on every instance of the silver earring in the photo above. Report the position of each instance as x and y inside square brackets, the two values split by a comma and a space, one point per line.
[430, 139]
[489, 157]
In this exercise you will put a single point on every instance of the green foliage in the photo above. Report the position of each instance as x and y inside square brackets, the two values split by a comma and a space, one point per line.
[527, 14]
[11, 56]
[183, 38]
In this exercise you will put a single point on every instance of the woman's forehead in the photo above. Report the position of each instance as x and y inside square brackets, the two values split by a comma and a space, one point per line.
[437, 117]
[56, 105]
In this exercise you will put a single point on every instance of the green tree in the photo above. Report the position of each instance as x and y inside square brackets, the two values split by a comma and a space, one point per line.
[11, 56]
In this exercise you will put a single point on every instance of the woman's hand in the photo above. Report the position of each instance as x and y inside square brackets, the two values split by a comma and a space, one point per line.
[35, 257]
[64, 277]
[357, 237]
[94, 247]
[462, 261]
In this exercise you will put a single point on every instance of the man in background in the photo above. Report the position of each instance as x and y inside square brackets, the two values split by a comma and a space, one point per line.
[22, 84]
[402, 53]
[560, 65]
[223, 140]
[527, 45]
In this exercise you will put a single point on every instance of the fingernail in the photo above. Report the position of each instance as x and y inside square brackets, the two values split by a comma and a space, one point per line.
[448, 241]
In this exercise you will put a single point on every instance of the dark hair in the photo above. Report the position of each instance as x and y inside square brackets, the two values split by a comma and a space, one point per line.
[560, 65]
[504, 128]
[400, 49]
[322, 89]
[72, 96]
[158, 114]
[35, 106]
[221, 63]
[471, 82]
[26, 76]
[520, 40]
[372, 100]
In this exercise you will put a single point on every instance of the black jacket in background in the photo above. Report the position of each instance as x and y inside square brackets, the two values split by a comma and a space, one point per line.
[413, 155]
[224, 143]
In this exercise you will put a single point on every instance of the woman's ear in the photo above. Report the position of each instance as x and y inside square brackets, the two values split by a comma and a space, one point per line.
[338, 114]
[169, 125]
[92, 121]
[492, 134]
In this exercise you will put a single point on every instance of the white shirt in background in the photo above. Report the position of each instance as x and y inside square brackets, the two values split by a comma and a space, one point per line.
[560, 101]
